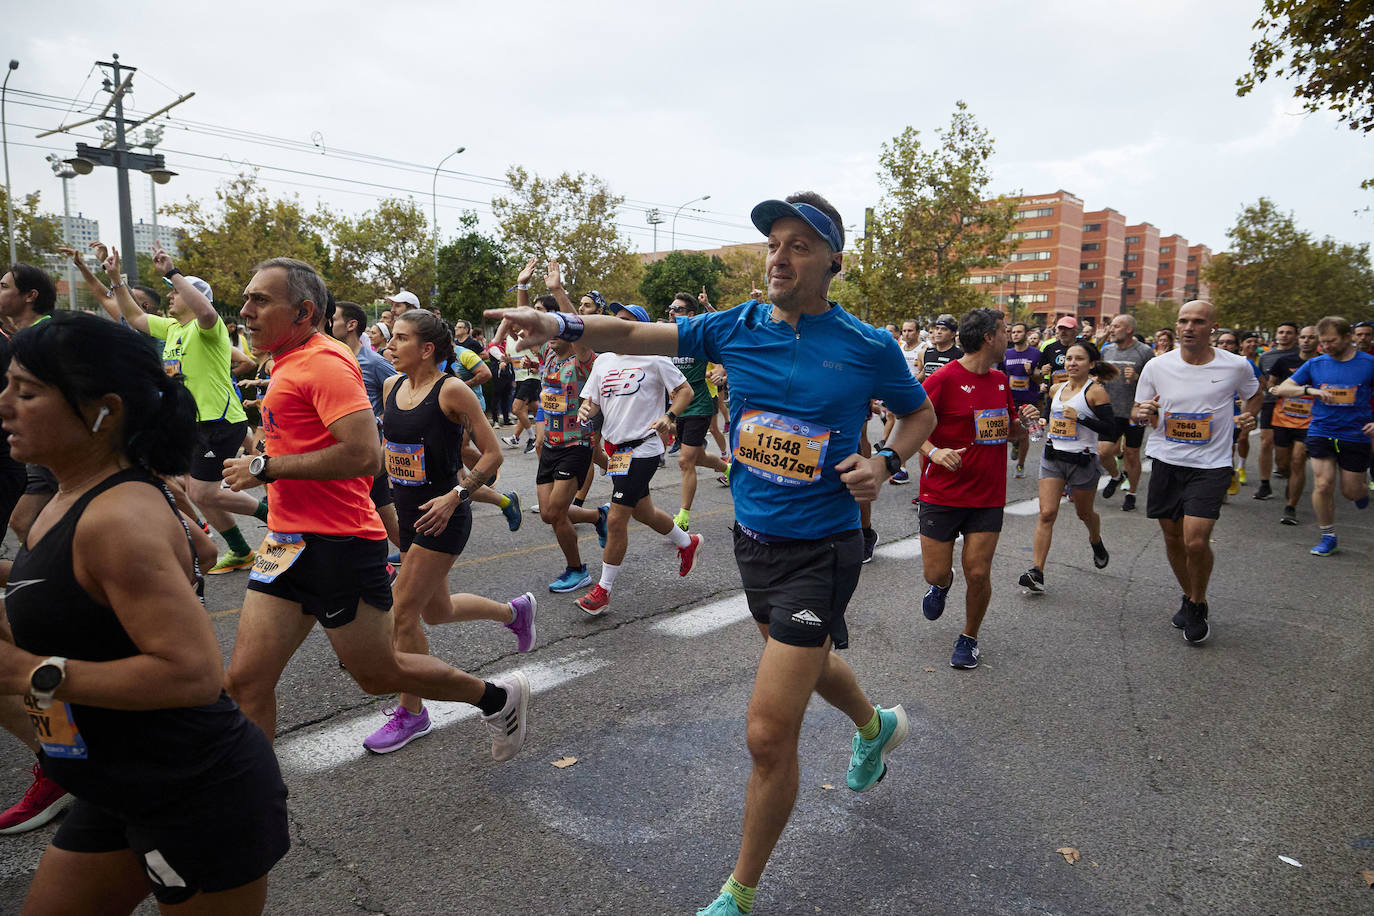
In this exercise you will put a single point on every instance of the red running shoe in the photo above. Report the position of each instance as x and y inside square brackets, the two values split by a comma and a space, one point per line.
[597, 600]
[688, 555]
[43, 801]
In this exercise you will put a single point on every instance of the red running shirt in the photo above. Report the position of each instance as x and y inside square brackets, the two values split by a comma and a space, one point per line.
[965, 405]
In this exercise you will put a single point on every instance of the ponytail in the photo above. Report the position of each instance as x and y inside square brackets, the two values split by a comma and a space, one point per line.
[163, 442]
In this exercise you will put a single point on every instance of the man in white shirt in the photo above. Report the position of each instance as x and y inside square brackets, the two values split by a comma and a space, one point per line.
[628, 391]
[1188, 395]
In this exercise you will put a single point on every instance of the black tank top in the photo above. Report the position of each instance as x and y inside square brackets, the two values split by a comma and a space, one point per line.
[135, 761]
[423, 447]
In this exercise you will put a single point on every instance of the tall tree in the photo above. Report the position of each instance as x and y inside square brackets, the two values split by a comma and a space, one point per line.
[934, 223]
[36, 236]
[744, 273]
[571, 218]
[1327, 48]
[1274, 271]
[474, 272]
[384, 250]
[680, 272]
[244, 226]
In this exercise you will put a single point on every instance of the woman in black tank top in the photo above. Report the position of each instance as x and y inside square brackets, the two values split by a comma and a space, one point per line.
[118, 664]
[425, 413]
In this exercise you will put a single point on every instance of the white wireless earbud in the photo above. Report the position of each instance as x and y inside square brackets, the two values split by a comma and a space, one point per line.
[100, 418]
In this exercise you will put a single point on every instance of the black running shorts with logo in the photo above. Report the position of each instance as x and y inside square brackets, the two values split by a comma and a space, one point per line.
[216, 442]
[563, 462]
[632, 486]
[451, 540]
[1121, 427]
[945, 523]
[228, 836]
[527, 390]
[331, 576]
[692, 430]
[801, 589]
[1176, 491]
[1350, 456]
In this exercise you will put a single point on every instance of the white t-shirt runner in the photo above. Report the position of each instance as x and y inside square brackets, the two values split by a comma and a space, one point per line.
[912, 356]
[1196, 406]
[631, 392]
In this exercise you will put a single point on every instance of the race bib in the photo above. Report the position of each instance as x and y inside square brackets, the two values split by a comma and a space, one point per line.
[618, 464]
[1063, 428]
[405, 464]
[780, 449]
[553, 401]
[1019, 383]
[275, 556]
[1344, 394]
[1058, 375]
[56, 730]
[1188, 428]
[991, 426]
[1296, 408]
[172, 367]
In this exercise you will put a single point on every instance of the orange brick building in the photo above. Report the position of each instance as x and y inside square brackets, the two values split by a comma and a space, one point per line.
[1072, 262]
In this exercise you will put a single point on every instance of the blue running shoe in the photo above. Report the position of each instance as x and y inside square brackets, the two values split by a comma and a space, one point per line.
[571, 580]
[602, 511]
[933, 604]
[724, 905]
[899, 478]
[868, 763]
[1326, 546]
[394, 559]
[965, 652]
[512, 512]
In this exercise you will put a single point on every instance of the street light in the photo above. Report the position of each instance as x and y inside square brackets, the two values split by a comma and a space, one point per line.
[5, 141]
[679, 210]
[66, 173]
[434, 204]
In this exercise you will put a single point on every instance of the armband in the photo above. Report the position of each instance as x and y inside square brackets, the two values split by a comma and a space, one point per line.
[522, 286]
[570, 326]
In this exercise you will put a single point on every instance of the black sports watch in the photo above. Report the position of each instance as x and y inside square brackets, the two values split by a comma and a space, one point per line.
[258, 467]
[172, 273]
[45, 679]
[892, 459]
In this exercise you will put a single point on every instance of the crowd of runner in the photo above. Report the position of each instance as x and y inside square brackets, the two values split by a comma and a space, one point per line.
[145, 428]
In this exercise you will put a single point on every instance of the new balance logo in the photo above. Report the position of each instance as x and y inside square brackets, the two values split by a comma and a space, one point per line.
[806, 617]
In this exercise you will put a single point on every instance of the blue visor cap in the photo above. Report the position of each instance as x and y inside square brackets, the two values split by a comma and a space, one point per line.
[770, 211]
[636, 310]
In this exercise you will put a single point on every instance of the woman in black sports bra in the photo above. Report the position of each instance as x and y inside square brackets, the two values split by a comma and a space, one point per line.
[177, 793]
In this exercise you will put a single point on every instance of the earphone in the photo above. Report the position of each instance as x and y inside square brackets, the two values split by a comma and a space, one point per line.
[100, 418]
[835, 267]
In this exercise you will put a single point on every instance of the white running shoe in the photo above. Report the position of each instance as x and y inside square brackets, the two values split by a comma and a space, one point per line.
[508, 726]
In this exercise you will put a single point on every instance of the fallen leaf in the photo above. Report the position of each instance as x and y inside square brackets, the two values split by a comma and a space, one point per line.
[1070, 854]
[1291, 861]
[827, 786]
[930, 669]
[564, 762]
[1368, 876]
[1094, 865]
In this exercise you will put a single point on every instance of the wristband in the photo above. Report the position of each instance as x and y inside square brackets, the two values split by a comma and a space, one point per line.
[173, 272]
[672, 417]
[117, 282]
[570, 326]
[522, 286]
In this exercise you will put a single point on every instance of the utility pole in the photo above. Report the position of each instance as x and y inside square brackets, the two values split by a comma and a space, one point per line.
[66, 173]
[654, 218]
[868, 259]
[1125, 275]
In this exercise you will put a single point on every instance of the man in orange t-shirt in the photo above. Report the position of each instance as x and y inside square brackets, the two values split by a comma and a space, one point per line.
[325, 554]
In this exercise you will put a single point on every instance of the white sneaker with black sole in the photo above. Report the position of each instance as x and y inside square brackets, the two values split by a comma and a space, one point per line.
[507, 727]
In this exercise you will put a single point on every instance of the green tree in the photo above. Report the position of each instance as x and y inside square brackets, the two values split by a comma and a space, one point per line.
[621, 284]
[36, 236]
[242, 227]
[1327, 48]
[474, 272]
[745, 267]
[680, 272]
[1274, 271]
[571, 218]
[1151, 315]
[384, 250]
[934, 223]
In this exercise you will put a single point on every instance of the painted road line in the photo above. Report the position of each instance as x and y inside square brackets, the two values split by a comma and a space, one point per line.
[709, 617]
[333, 745]
[905, 549]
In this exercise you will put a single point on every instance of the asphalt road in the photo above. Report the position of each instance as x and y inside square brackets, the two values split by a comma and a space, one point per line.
[1180, 774]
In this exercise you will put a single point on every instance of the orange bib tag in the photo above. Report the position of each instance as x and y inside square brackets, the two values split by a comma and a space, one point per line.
[55, 730]
[1063, 428]
[172, 367]
[275, 556]
[618, 465]
[991, 426]
[405, 464]
[780, 449]
[1058, 375]
[553, 401]
[1345, 394]
[1189, 428]
[1297, 408]
[1019, 383]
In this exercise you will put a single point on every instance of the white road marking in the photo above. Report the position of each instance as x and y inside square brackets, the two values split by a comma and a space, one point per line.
[705, 619]
[318, 749]
[905, 549]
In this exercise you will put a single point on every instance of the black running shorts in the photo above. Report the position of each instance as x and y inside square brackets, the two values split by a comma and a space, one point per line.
[1350, 456]
[692, 430]
[1122, 428]
[451, 540]
[801, 589]
[1266, 417]
[945, 523]
[1285, 436]
[563, 462]
[528, 390]
[331, 576]
[632, 486]
[1176, 491]
[216, 442]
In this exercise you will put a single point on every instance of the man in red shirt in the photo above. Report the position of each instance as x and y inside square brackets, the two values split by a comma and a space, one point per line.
[964, 475]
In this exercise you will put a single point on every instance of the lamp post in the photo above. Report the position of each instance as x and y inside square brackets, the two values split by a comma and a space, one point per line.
[66, 173]
[434, 206]
[152, 136]
[655, 219]
[5, 141]
[694, 200]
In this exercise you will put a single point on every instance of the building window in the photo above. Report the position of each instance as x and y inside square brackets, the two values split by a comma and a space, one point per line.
[1032, 234]
[1130, 290]
[1035, 214]
[1087, 284]
[1132, 240]
[1192, 258]
[1133, 256]
[1130, 274]
[1166, 249]
[1090, 265]
[1192, 273]
[1030, 256]
[1092, 246]
[1092, 227]
[1087, 303]
[1165, 266]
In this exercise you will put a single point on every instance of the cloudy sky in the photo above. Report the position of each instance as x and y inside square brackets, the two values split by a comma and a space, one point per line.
[1127, 105]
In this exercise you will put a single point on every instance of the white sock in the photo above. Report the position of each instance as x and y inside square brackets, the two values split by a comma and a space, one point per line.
[608, 574]
[677, 537]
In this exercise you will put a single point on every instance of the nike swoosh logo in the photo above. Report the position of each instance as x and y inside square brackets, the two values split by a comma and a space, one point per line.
[330, 615]
[16, 585]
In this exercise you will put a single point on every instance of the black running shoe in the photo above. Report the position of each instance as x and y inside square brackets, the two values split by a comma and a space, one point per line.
[1290, 515]
[1100, 556]
[1196, 630]
[1265, 491]
[1128, 503]
[1184, 611]
[870, 542]
[1033, 580]
[1112, 483]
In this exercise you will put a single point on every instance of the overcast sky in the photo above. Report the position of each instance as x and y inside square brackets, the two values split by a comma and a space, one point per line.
[1130, 106]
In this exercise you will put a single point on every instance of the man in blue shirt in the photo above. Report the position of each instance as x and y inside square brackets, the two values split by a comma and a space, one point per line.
[1338, 437]
[802, 373]
[347, 327]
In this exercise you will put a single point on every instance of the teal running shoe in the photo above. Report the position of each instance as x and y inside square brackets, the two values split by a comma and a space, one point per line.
[512, 512]
[602, 512]
[724, 905]
[868, 764]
